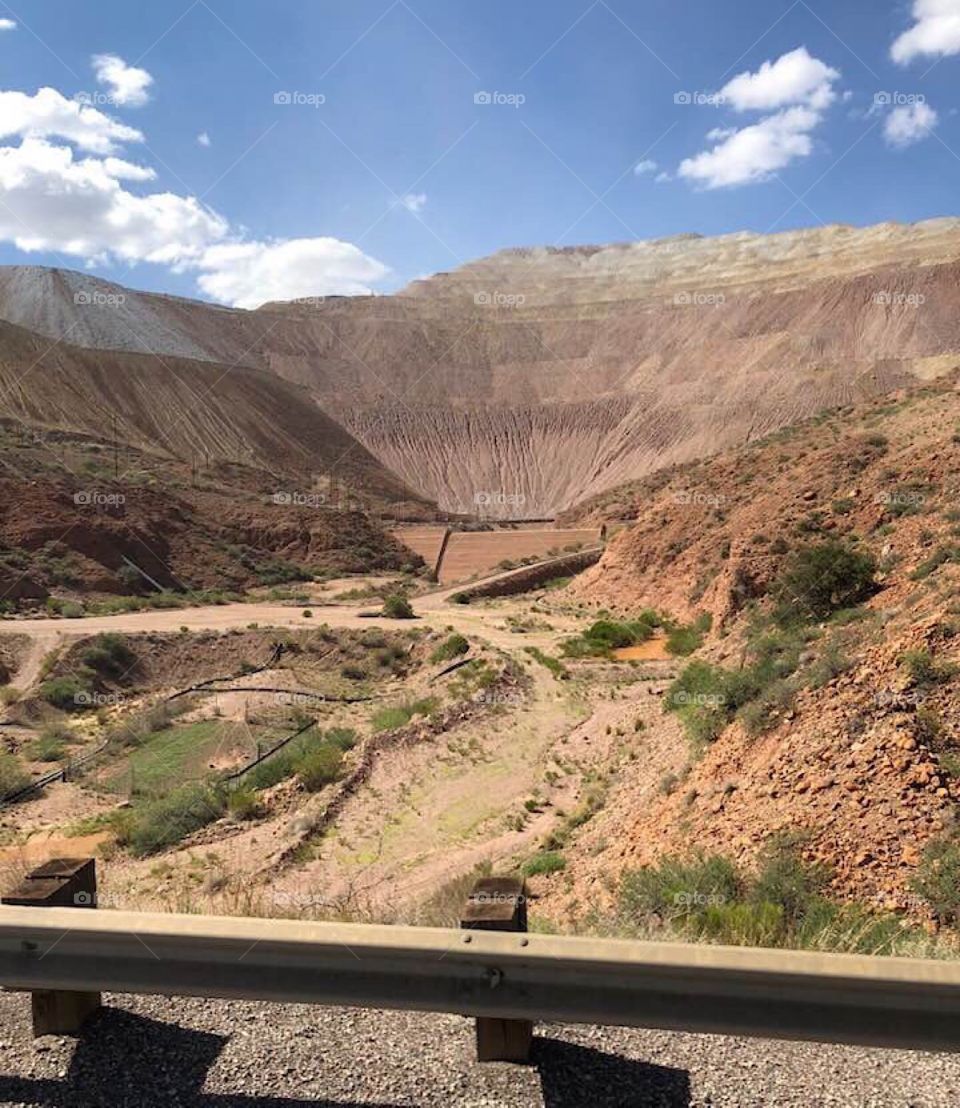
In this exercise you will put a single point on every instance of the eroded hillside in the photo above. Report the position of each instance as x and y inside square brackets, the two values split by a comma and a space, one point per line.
[544, 376]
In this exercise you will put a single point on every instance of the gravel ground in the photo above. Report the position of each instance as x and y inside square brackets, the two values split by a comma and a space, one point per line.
[147, 1052]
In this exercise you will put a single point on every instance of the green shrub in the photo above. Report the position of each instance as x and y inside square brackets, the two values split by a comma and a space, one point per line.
[69, 694]
[938, 880]
[398, 607]
[926, 670]
[319, 768]
[13, 774]
[244, 804]
[109, 655]
[821, 579]
[454, 647]
[674, 889]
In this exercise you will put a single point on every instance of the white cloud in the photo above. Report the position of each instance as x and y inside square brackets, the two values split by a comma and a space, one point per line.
[251, 273]
[754, 153]
[48, 114]
[74, 197]
[128, 86]
[909, 124]
[51, 200]
[646, 166]
[8, 24]
[203, 139]
[794, 78]
[662, 177]
[415, 202]
[936, 31]
[797, 88]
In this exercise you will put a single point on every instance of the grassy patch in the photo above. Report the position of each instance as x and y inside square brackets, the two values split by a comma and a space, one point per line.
[547, 862]
[783, 903]
[454, 647]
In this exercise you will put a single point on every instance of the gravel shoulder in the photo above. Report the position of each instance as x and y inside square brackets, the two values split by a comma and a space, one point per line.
[144, 1052]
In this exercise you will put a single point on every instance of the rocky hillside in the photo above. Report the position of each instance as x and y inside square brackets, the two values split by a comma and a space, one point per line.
[814, 709]
[618, 360]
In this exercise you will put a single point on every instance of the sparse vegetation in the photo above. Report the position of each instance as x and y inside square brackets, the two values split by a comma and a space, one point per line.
[821, 579]
[398, 607]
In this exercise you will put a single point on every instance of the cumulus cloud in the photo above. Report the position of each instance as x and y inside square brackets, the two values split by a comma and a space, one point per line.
[936, 31]
[52, 200]
[65, 189]
[203, 139]
[128, 86]
[797, 89]
[647, 166]
[8, 24]
[247, 274]
[48, 114]
[415, 202]
[794, 78]
[754, 153]
[909, 124]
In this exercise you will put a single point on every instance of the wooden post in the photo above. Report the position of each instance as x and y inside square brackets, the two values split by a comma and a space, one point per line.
[499, 904]
[61, 883]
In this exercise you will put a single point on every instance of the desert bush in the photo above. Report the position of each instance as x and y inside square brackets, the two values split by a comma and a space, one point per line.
[454, 647]
[109, 655]
[69, 694]
[821, 579]
[155, 824]
[319, 768]
[926, 670]
[782, 903]
[398, 607]
[13, 774]
[938, 880]
[244, 804]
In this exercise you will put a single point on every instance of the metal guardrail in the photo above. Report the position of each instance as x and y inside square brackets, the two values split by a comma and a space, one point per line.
[886, 1002]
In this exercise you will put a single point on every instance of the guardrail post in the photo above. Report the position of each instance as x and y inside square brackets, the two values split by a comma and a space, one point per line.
[61, 883]
[499, 904]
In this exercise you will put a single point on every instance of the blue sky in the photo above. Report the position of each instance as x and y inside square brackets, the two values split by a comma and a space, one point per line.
[193, 174]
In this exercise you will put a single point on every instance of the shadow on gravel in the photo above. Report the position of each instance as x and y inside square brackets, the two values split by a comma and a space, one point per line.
[126, 1061]
[573, 1076]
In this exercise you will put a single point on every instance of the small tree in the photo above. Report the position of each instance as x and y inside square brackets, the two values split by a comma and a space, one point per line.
[821, 579]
